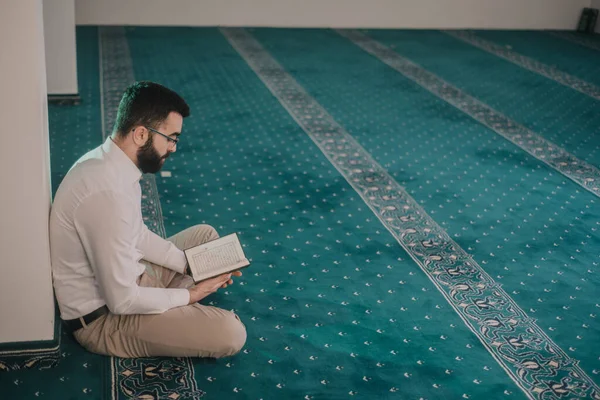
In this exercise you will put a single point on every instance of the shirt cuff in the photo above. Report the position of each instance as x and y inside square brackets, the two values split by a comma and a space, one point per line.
[176, 260]
[179, 297]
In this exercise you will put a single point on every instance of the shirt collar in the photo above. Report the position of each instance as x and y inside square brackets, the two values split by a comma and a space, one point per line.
[129, 170]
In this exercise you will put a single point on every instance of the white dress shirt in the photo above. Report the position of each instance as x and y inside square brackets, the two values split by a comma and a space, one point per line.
[98, 237]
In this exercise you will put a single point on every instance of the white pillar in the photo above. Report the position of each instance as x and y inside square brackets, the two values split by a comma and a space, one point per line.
[26, 298]
[61, 55]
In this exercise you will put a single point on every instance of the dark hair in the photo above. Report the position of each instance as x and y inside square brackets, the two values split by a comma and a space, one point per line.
[148, 104]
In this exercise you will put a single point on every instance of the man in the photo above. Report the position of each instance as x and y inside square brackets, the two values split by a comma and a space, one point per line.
[122, 290]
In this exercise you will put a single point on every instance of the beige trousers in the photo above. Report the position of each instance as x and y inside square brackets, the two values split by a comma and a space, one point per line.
[190, 331]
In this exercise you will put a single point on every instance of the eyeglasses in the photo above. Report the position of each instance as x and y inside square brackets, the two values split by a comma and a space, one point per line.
[172, 141]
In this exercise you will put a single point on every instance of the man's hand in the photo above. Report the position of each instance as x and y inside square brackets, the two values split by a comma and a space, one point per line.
[204, 288]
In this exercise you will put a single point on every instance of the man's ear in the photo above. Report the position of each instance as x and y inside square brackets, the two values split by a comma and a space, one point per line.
[139, 134]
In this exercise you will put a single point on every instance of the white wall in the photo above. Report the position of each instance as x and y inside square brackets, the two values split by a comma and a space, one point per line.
[26, 298]
[59, 38]
[514, 14]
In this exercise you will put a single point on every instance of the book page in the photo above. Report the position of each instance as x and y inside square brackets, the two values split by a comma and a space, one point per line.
[216, 257]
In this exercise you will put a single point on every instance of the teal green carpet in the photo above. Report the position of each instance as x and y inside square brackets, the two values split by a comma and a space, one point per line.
[567, 56]
[531, 229]
[560, 114]
[245, 166]
[335, 308]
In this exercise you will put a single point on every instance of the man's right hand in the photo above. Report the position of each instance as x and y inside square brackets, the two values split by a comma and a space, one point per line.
[204, 288]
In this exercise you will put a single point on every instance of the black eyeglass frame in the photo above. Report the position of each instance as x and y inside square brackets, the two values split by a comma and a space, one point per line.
[172, 141]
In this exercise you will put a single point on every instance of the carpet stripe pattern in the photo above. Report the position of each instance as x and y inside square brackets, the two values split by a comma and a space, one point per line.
[548, 71]
[482, 304]
[130, 377]
[585, 174]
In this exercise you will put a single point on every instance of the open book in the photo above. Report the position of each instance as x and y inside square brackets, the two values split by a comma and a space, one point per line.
[216, 257]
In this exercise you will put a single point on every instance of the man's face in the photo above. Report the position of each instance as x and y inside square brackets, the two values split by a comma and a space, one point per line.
[152, 155]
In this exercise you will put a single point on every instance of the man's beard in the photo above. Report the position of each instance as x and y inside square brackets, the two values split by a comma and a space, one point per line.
[149, 161]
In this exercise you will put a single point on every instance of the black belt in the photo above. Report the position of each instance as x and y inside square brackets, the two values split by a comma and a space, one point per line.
[76, 324]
